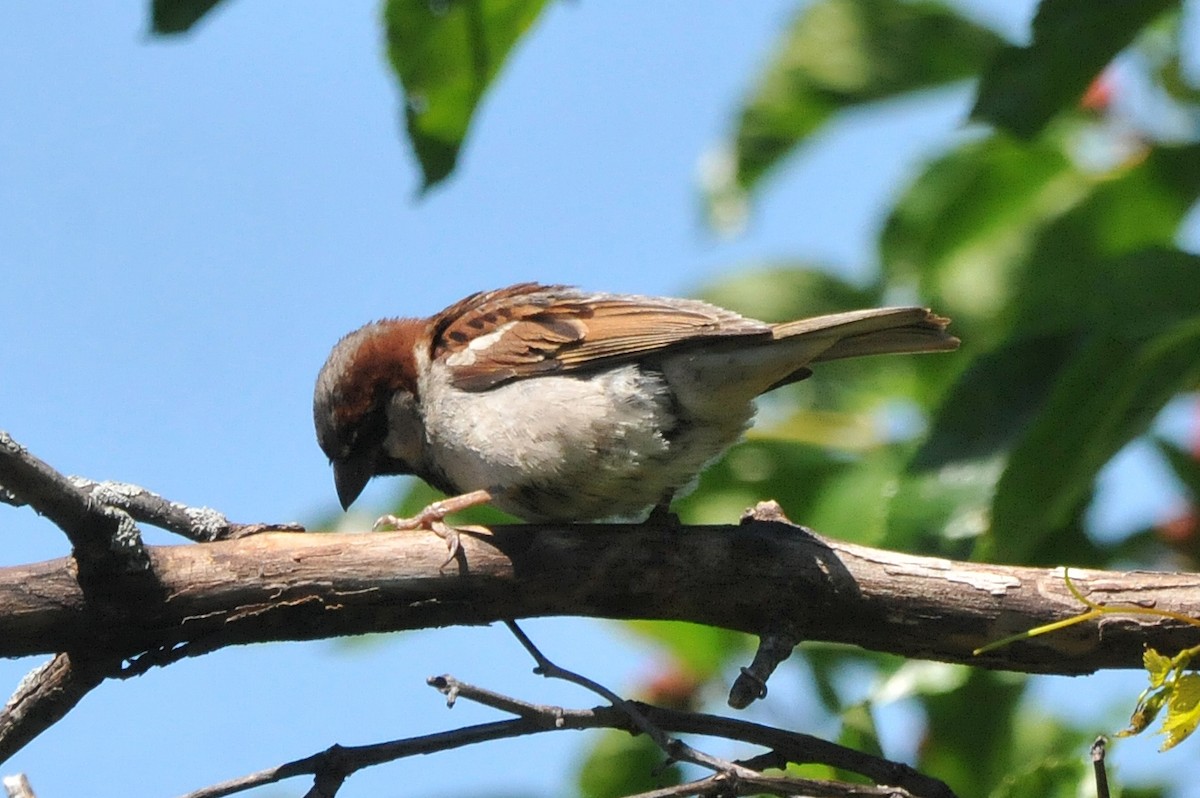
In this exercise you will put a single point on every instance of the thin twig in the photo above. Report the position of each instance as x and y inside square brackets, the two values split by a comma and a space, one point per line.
[453, 689]
[674, 748]
[26, 480]
[353, 758]
[722, 784]
[339, 762]
[200, 524]
[1098, 751]
[785, 746]
[798, 748]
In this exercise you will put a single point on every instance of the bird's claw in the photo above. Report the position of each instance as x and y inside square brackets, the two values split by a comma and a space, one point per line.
[433, 518]
[428, 521]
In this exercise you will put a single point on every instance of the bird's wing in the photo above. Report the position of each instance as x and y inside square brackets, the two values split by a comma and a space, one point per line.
[527, 330]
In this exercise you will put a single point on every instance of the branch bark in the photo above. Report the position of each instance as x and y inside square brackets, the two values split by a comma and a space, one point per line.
[759, 577]
[45, 696]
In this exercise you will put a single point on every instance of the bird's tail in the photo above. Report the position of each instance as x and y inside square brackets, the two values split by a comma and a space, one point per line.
[873, 332]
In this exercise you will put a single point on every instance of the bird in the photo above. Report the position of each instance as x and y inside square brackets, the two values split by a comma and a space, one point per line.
[556, 404]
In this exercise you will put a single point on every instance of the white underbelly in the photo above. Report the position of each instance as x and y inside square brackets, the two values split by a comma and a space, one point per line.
[571, 448]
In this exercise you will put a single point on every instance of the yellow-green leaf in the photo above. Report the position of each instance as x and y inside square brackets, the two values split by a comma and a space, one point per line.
[1183, 710]
[1147, 709]
[1158, 666]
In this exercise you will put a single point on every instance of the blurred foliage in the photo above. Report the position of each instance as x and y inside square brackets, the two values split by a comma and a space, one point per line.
[619, 765]
[1057, 254]
[838, 54]
[1024, 87]
[1049, 230]
[177, 16]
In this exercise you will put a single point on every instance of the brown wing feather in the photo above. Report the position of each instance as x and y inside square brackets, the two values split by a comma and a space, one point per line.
[546, 329]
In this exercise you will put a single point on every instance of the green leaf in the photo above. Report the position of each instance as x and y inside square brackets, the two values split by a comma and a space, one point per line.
[1185, 465]
[853, 504]
[1073, 40]
[962, 225]
[1174, 78]
[950, 746]
[621, 764]
[177, 16]
[943, 511]
[755, 471]
[996, 399]
[701, 650]
[842, 53]
[446, 54]
[1052, 776]
[859, 731]
[1147, 709]
[1107, 396]
[1110, 256]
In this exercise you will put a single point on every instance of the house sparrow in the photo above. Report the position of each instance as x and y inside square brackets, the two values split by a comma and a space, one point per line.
[555, 404]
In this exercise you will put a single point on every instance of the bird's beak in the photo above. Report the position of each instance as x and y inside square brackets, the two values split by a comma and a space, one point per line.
[350, 476]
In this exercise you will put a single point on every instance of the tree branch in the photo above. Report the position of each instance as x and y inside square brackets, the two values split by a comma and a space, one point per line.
[44, 697]
[104, 540]
[753, 577]
[119, 602]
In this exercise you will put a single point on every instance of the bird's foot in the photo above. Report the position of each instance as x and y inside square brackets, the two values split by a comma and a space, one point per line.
[433, 518]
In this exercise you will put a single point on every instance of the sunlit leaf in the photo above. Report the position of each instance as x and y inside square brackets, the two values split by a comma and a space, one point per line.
[1073, 40]
[1053, 776]
[1157, 666]
[846, 431]
[1183, 710]
[842, 53]
[1098, 287]
[1075, 275]
[755, 471]
[446, 54]
[958, 230]
[853, 505]
[177, 16]
[916, 678]
[1147, 709]
[943, 511]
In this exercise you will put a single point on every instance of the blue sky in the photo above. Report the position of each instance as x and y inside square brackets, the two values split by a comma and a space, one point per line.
[187, 226]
